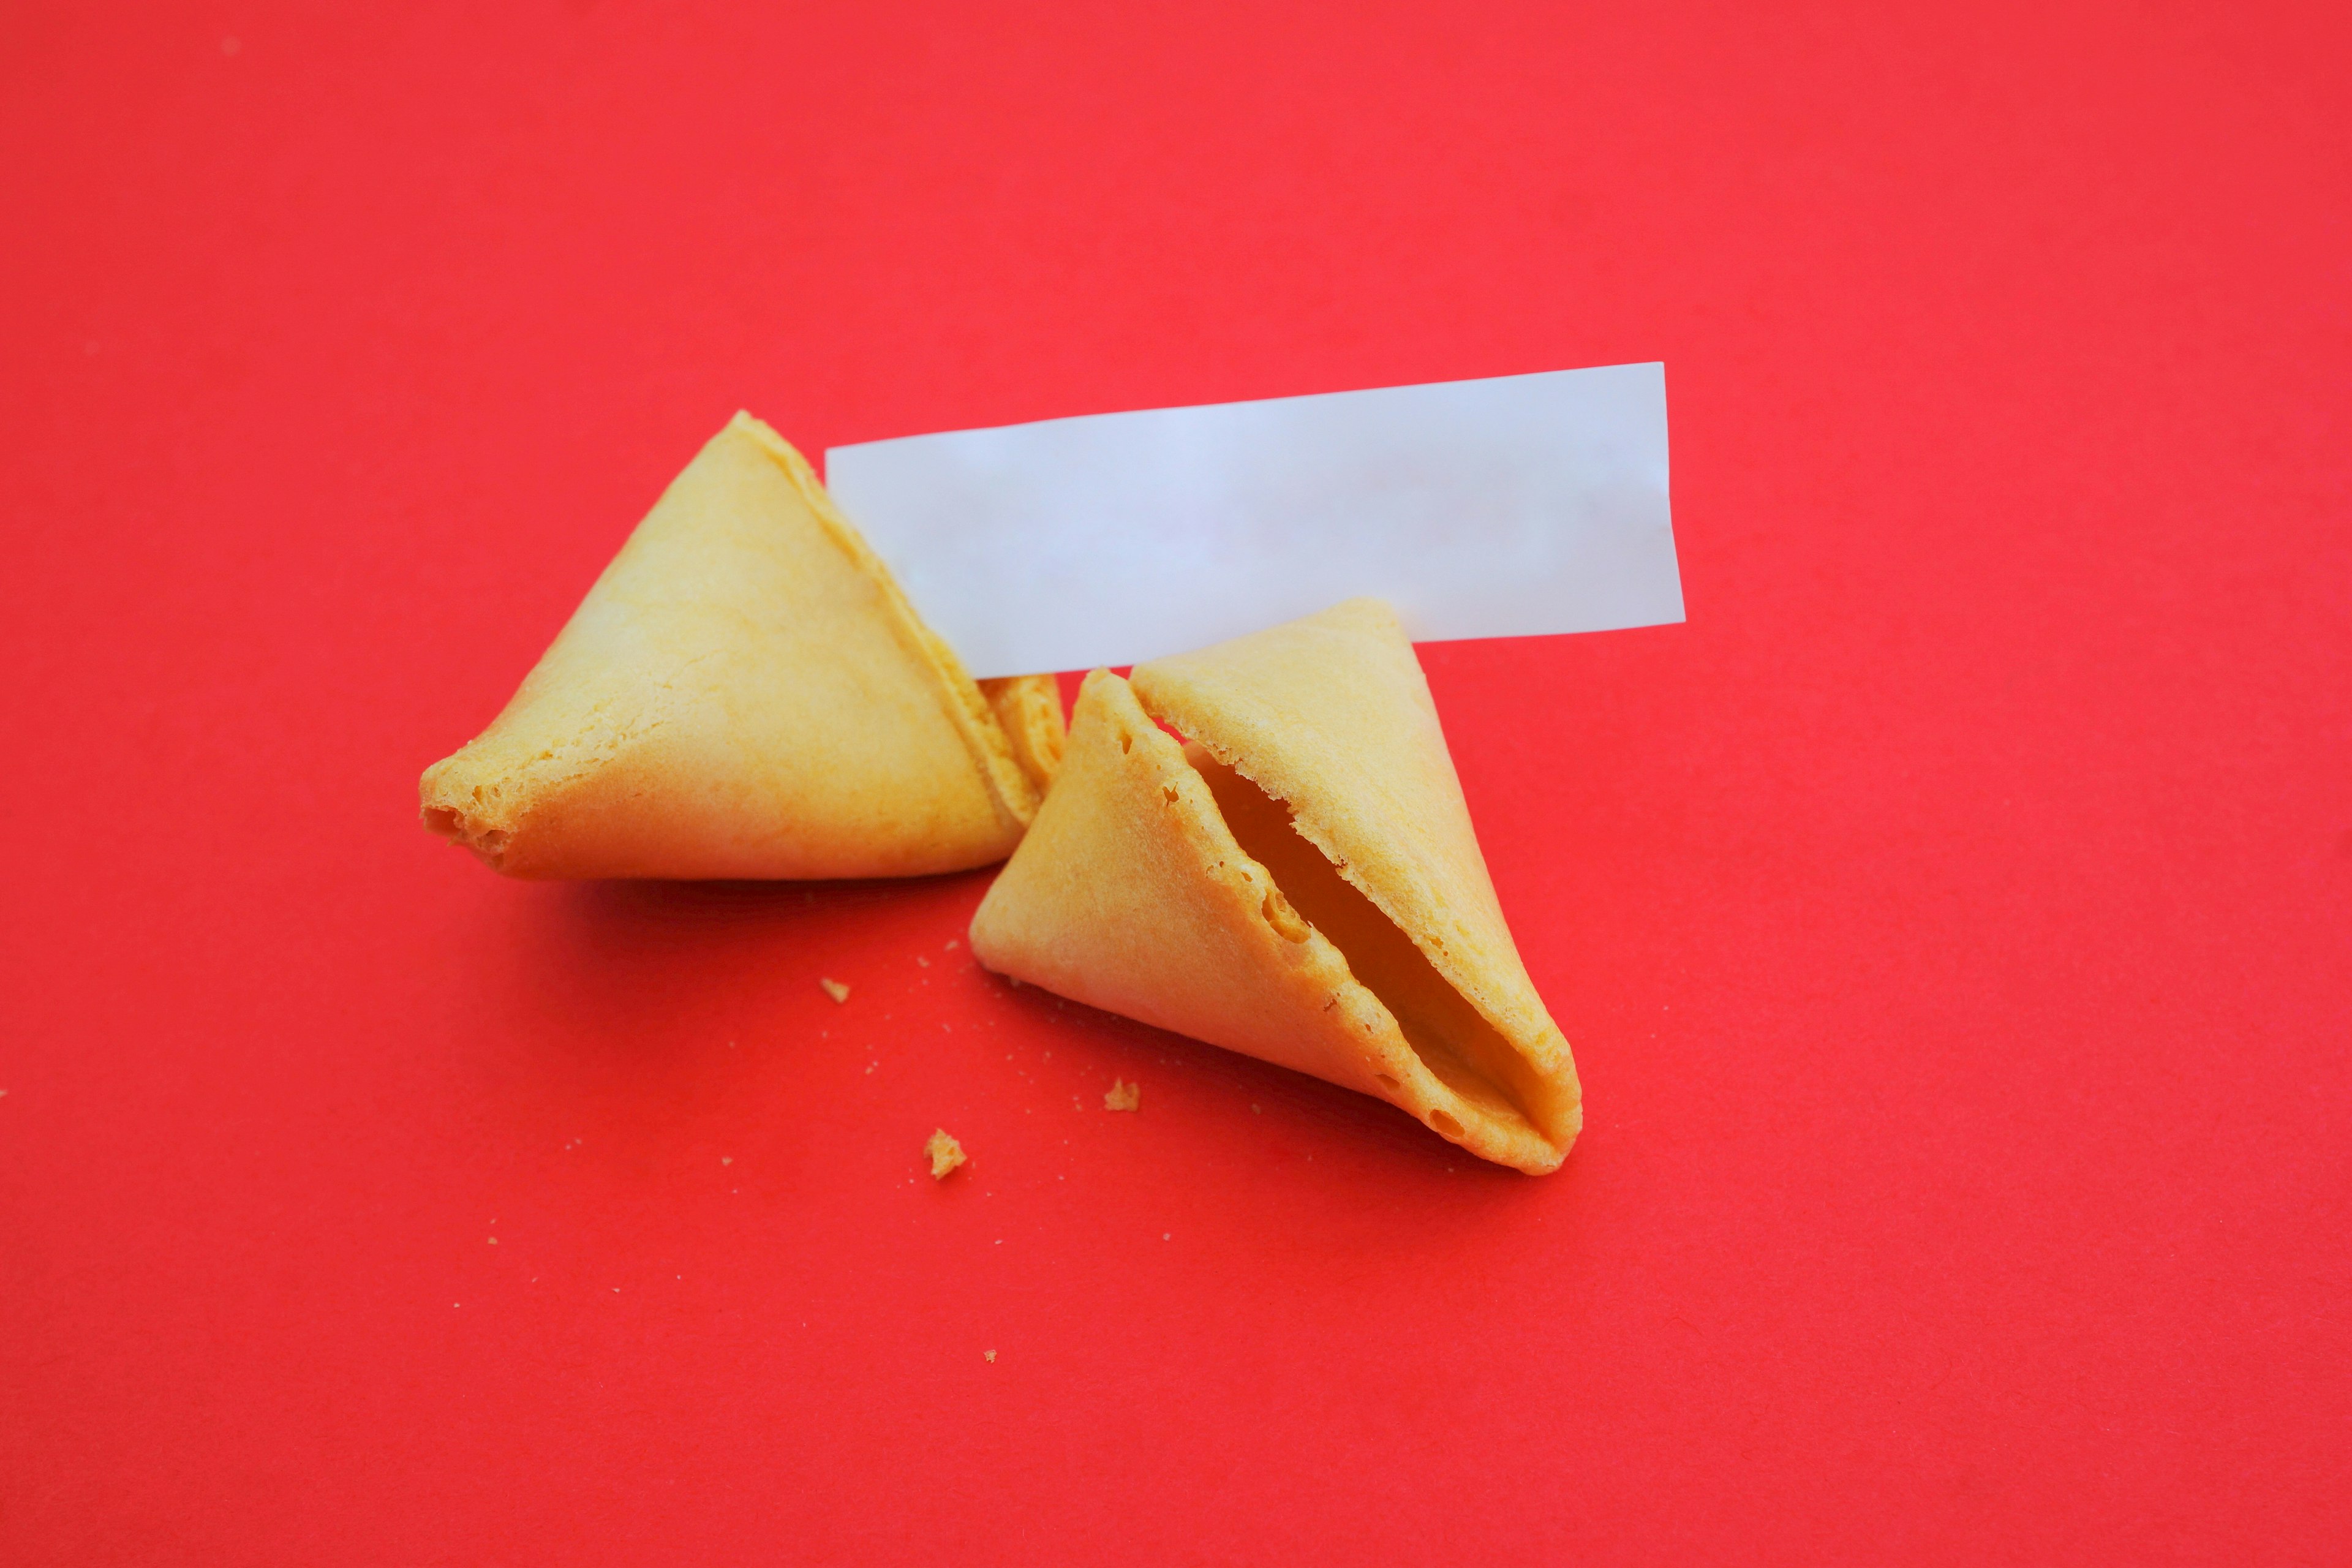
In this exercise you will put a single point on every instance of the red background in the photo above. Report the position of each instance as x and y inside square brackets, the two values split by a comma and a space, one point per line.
[1951, 920]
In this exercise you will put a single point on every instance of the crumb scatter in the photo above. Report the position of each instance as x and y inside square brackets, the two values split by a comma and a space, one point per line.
[945, 1151]
[1123, 1096]
[833, 988]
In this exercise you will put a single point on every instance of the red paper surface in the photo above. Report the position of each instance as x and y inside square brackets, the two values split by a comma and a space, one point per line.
[1951, 920]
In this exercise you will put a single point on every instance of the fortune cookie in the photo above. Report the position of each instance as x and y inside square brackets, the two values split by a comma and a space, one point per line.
[1298, 880]
[746, 692]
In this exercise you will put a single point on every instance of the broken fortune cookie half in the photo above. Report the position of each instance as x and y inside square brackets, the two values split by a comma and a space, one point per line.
[746, 692]
[1298, 880]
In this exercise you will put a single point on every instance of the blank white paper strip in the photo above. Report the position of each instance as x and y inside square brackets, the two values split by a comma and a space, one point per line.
[1511, 507]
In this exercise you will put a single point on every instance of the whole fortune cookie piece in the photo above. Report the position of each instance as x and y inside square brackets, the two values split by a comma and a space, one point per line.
[1298, 881]
[745, 692]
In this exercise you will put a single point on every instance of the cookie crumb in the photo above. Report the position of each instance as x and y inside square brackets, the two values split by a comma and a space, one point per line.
[990, 1356]
[955, 942]
[1123, 1096]
[925, 962]
[835, 989]
[494, 1241]
[945, 1151]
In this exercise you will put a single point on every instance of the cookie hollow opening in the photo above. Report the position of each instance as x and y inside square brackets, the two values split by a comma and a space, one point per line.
[1452, 1040]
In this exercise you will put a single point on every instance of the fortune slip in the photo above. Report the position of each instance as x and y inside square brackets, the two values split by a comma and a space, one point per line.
[1514, 506]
